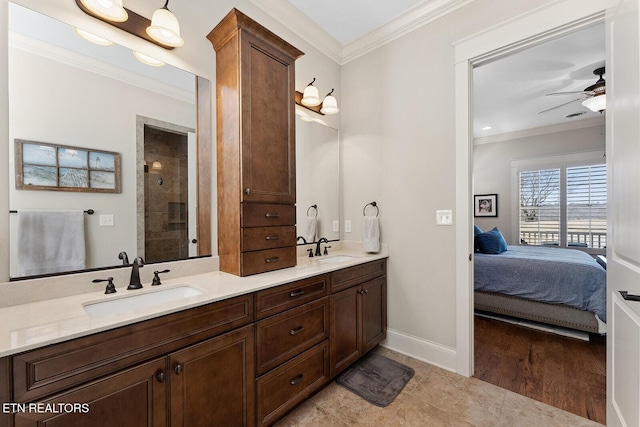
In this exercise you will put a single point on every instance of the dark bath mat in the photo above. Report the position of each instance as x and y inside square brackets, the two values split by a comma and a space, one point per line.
[376, 379]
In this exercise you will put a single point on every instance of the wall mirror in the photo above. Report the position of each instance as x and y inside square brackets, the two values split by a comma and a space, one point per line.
[66, 91]
[317, 179]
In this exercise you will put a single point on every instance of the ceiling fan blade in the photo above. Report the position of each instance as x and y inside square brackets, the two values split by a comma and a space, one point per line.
[583, 92]
[561, 105]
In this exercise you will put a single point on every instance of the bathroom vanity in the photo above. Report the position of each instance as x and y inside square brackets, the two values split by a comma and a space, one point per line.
[243, 352]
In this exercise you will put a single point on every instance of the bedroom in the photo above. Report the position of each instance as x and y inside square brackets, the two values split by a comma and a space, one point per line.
[526, 141]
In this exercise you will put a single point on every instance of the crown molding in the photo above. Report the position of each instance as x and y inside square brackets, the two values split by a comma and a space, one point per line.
[411, 20]
[300, 24]
[543, 130]
[420, 15]
[62, 55]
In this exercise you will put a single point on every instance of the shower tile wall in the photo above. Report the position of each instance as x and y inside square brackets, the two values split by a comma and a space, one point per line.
[166, 196]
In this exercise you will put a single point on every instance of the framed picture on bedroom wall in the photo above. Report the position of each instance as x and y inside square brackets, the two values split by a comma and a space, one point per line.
[485, 205]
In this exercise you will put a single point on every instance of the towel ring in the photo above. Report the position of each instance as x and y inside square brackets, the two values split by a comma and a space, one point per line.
[314, 207]
[374, 204]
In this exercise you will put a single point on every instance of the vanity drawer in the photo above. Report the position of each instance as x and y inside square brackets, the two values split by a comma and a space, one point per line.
[285, 335]
[283, 388]
[267, 215]
[258, 238]
[357, 274]
[268, 260]
[275, 300]
[46, 370]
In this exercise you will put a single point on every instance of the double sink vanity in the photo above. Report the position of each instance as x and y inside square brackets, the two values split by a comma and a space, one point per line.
[202, 350]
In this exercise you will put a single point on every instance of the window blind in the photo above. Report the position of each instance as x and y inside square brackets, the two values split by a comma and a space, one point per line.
[587, 206]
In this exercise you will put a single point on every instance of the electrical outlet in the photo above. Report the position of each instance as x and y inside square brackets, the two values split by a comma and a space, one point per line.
[444, 217]
[336, 226]
[106, 220]
[347, 226]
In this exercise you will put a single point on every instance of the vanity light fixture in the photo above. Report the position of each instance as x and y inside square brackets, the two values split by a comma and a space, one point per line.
[156, 166]
[310, 96]
[329, 104]
[165, 28]
[111, 10]
[146, 59]
[90, 37]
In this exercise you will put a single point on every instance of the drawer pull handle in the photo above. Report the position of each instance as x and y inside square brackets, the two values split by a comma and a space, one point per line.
[161, 377]
[270, 260]
[296, 331]
[272, 215]
[178, 369]
[275, 237]
[297, 293]
[297, 379]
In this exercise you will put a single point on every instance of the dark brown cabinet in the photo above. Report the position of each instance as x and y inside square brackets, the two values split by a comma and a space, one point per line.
[255, 110]
[358, 314]
[133, 398]
[212, 382]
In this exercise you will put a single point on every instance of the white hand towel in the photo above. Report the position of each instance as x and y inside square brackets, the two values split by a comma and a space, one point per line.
[371, 234]
[312, 229]
[50, 241]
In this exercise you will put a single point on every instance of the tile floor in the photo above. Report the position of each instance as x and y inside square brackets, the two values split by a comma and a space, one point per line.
[433, 397]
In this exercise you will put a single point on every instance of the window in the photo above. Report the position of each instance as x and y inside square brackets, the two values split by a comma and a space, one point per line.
[564, 206]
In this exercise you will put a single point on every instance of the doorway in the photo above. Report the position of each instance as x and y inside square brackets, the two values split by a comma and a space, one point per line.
[166, 207]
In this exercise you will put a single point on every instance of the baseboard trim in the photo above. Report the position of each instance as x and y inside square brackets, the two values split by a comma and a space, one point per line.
[436, 354]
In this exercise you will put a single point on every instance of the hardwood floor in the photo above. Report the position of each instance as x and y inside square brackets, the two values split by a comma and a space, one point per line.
[567, 373]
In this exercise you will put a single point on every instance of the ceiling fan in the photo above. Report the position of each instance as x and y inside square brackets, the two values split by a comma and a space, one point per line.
[593, 97]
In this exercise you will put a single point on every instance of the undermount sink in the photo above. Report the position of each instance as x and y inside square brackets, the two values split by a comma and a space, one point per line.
[335, 259]
[136, 301]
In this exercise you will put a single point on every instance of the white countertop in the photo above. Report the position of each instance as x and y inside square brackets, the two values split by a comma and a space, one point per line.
[39, 323]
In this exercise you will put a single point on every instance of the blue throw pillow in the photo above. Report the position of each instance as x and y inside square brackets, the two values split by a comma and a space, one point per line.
[476, 230]
[491, 242]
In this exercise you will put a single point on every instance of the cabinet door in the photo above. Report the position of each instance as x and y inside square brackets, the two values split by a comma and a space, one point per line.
[374, 313]
[344, 343]
[268, 125]
[213, 384]
[132, 398]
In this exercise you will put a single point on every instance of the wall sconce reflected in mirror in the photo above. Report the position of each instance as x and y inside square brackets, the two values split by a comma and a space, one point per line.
[92, 38]
[311, 101]
[146, 59]
[156, 166]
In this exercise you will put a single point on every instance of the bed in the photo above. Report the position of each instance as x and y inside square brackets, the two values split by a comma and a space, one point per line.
[563, 287]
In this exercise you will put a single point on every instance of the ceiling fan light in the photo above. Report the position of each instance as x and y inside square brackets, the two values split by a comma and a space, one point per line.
[596, 103]
[90, 37]
[165, 28]
[310, 96]
[111, 10]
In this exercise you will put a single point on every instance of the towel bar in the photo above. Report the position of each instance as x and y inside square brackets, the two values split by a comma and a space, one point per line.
[88, 211]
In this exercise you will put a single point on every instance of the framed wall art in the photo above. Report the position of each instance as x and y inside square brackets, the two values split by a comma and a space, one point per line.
[44, 166]
[485, 205]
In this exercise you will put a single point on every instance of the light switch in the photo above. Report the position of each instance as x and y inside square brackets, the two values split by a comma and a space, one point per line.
[106, 220]
[444, 217]
[347, 226]
[336, 226]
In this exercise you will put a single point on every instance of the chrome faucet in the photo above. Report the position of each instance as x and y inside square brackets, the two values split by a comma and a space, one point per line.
[134, 281]
[320, 240]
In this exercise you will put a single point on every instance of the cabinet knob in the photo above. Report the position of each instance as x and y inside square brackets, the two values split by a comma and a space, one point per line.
[247, 191]
[161, 377]
[178, 369]
[296, 380]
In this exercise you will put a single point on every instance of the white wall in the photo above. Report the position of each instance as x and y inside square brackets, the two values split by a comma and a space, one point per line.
[398, 132]
[492, 167]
